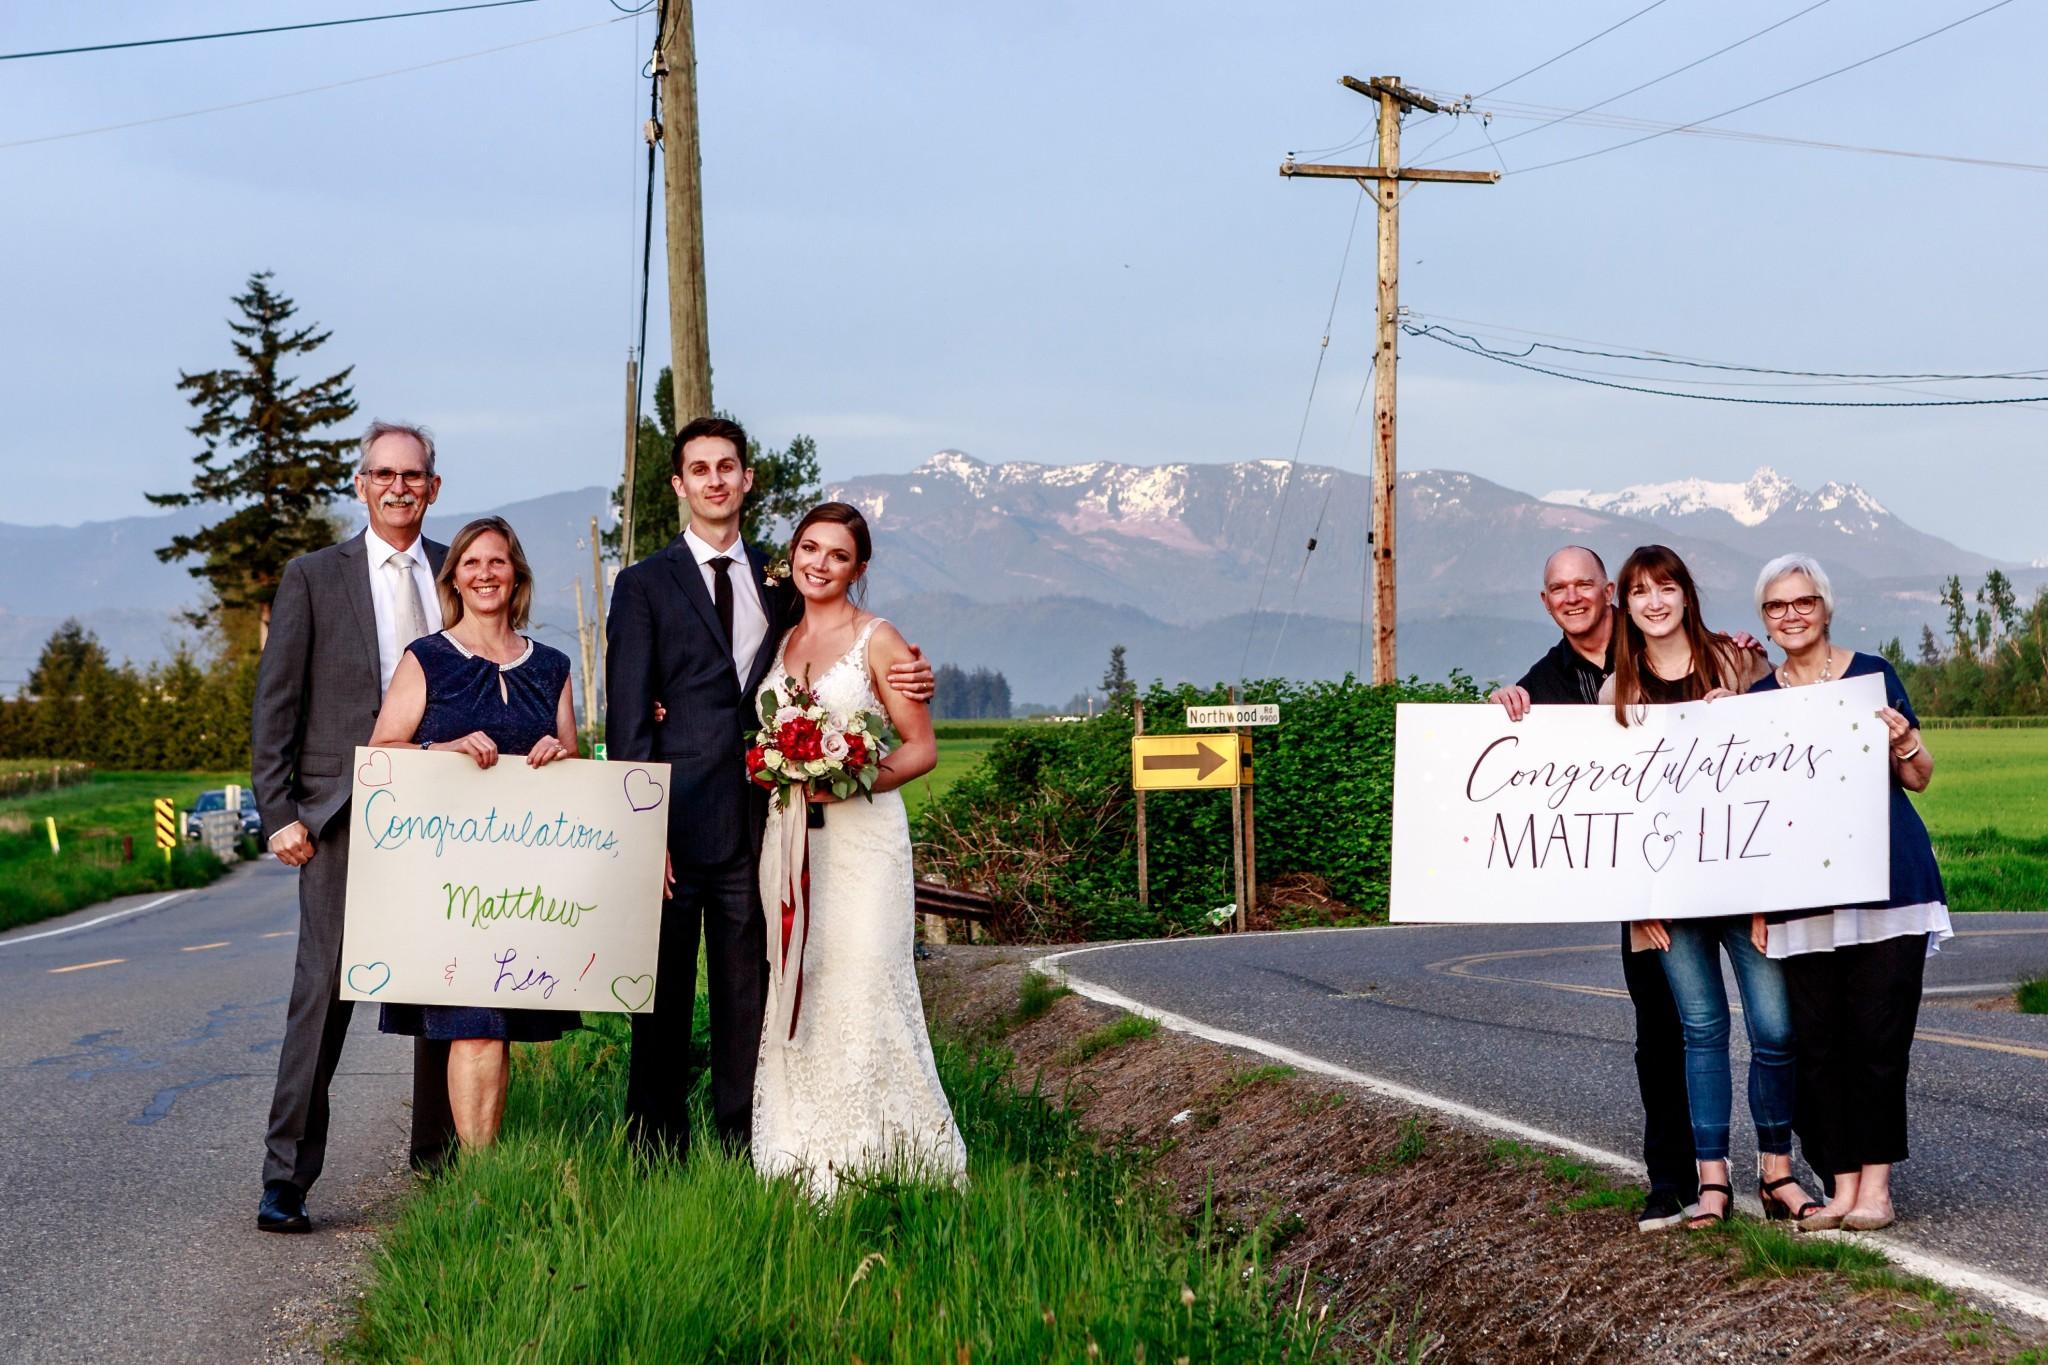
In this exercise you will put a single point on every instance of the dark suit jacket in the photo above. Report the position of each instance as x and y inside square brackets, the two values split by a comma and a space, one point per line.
[318, 685]
[662, 642]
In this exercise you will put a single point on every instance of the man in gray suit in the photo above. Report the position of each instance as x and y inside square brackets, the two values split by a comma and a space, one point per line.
[338, 627]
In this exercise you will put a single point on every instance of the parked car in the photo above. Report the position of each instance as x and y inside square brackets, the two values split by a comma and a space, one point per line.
[217, 799]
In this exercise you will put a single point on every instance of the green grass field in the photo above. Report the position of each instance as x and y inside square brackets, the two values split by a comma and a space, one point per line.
[956, 756]
[1987, 809]
[559, 1244]
[91, 818]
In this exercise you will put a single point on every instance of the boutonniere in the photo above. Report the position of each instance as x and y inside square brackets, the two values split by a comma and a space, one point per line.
[776, 574]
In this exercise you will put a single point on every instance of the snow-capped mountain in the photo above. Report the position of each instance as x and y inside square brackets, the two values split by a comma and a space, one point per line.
[1200, 569]
[1838, 522]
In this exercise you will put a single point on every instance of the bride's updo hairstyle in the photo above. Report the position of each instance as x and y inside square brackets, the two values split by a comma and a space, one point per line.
[847, 515]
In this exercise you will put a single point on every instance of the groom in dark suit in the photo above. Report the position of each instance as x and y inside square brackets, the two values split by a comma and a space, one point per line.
[691, 635]
[338, 626]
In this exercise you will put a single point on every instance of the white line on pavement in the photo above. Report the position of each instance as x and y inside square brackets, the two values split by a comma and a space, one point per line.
[1954, 1274]
[87, 924]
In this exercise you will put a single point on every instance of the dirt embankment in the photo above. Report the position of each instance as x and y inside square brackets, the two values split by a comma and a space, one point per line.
[1415, 1231]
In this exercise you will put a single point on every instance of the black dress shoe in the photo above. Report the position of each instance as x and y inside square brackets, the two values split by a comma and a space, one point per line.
[283, 1209]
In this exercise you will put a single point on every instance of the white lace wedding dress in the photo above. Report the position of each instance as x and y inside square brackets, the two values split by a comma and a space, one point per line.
[855, 1090]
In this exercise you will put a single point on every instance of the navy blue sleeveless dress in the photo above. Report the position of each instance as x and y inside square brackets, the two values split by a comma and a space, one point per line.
[515, 705]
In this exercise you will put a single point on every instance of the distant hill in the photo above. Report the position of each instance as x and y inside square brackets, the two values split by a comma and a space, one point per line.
[1038, 569]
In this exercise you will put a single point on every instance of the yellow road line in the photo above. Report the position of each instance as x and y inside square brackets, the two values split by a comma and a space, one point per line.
[1462, 967]
[202, 947]
[86, 966]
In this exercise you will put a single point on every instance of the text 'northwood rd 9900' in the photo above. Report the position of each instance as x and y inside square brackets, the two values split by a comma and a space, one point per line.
[1182, 762]
[1233, 717]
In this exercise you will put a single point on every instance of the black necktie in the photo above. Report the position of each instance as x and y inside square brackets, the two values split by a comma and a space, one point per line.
[721, 596]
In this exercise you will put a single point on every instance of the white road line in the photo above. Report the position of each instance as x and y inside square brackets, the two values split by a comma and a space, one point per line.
[2031, 1301]
[103, 919]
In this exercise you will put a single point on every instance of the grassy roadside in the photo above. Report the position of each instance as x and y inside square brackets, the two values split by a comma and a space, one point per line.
[559, 1244]
[91, 818]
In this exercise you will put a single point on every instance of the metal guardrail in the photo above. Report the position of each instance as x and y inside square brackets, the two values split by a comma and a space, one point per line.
[946, 902]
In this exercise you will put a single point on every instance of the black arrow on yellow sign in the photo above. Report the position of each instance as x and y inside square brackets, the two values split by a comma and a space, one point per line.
[1204, 761]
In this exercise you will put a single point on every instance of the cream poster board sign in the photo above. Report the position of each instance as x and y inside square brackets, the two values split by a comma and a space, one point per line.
[536, 888]
[1777, 801]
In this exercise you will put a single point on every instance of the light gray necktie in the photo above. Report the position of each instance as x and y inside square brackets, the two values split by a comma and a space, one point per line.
[408, 615]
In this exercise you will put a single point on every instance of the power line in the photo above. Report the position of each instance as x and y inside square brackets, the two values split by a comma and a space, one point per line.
[1548, 113]
[1775, 94]
[1301, 433]
[1316, 534]
[308, 90]
[249, 32]
[1570, 50]
[1661, 358]
[646, 258]
[1657, 80]
[1437, 335]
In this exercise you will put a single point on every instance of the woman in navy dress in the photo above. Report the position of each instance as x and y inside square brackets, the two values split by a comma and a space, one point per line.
[482, 689]
[1853, 972]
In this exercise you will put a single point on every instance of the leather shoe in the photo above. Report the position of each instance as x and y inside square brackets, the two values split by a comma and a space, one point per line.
[283, 1209]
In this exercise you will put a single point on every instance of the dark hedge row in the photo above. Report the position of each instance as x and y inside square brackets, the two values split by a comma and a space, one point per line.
[1047, 824]
[173, 717]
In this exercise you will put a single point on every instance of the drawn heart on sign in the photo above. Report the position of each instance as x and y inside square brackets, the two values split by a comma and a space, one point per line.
[633, 991]
[380, 971]
[1670, 844]
[642, 791]
[375, 770]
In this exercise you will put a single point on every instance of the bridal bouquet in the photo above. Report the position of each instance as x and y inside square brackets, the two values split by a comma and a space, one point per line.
[799, 745]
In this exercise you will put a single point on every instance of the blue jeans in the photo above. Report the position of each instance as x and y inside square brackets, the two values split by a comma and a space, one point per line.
[1693, 966]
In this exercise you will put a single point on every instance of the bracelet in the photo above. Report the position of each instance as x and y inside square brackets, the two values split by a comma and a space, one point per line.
[1910, 755]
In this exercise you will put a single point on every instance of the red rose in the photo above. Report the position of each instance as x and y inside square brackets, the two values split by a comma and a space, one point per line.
[856, 753]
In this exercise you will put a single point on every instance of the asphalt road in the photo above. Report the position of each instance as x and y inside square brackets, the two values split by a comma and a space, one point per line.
[1532, 1023]
[136, 1066]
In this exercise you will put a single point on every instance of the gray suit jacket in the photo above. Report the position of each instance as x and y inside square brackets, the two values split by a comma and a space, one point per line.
[318, 686]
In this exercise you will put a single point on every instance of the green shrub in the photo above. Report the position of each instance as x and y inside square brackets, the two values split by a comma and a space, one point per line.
[1046, 823]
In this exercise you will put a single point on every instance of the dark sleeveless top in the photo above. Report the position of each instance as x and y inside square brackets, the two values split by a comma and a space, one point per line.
[515, 705]
[464, 693]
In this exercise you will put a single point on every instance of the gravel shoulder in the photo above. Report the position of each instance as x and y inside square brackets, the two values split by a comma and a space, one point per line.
[1409, 1227]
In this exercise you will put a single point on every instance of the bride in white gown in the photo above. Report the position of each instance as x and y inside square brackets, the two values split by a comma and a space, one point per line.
[846, 1082]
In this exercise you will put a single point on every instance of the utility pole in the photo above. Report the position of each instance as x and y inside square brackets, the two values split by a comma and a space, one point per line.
[597, 594]
[1384, 180]
[632, 449]
[675, 66]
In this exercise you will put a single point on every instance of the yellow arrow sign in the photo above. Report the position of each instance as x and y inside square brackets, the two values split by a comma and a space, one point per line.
[1180, 762]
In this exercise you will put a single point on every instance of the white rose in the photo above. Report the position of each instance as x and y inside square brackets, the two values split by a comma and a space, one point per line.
[834, 746]
[772, 760]
[815, 768]
[785, 716]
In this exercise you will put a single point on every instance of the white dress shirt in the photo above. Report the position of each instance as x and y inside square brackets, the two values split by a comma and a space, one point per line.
[389, 650]
[749, 616]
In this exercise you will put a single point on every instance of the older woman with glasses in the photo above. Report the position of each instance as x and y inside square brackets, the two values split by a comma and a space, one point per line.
[1852, 973]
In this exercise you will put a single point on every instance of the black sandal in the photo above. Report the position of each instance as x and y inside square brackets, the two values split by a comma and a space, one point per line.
[1777, 1210]
[1706, 1218]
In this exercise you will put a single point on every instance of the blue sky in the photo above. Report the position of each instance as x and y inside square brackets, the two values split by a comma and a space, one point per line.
[1049, 232]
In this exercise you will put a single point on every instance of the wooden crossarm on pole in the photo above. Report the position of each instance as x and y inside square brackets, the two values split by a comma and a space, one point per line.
[1384, 180]
[1292, 168]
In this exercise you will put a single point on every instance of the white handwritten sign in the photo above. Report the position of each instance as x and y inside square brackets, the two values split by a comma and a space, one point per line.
[1776, 801]
[536, 888]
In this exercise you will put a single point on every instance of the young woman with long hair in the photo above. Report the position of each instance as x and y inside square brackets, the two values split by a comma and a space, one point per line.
[1666, 654]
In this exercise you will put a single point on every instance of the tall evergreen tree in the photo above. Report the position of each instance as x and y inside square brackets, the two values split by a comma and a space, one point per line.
[262, 455]
[71, 656]
[786, 482]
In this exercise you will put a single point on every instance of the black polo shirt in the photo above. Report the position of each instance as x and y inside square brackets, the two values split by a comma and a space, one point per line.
[1563, 676]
